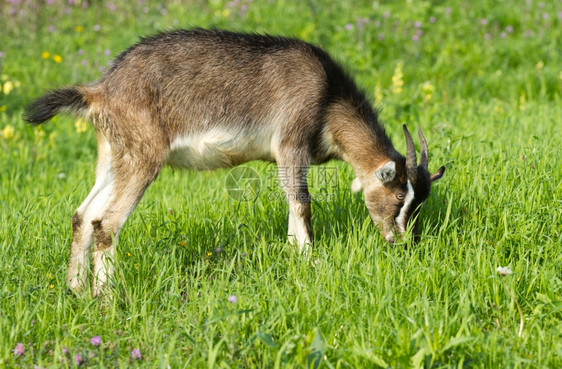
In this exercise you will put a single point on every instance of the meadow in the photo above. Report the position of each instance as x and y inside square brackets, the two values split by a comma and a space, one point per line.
[207, 281]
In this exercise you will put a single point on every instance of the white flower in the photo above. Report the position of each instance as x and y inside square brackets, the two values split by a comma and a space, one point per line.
[504, 271]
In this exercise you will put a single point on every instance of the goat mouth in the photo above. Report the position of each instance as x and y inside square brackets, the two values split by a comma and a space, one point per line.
[390, 237]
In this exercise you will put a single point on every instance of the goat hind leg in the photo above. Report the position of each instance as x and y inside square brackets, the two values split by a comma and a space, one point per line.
[130, 183]
[82, 229]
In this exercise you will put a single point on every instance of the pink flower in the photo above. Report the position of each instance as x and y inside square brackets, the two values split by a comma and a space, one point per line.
[232, 299]
[78, 360]
[361, 22]
[136, 354]
[19, 350]
[95, 341]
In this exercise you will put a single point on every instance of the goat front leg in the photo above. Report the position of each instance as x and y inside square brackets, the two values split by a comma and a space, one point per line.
[293, 181]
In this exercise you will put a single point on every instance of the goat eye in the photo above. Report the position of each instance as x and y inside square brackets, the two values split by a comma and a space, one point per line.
[400, 196]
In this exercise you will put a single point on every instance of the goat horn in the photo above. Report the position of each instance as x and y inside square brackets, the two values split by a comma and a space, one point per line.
[410, 150]
[424, 152]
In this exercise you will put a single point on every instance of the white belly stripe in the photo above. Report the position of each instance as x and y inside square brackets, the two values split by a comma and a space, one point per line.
[218, 148]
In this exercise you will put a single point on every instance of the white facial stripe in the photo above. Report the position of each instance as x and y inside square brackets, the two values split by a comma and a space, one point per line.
[401, 218]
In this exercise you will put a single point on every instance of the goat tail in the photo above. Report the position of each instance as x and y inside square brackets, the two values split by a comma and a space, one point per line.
[69, 99]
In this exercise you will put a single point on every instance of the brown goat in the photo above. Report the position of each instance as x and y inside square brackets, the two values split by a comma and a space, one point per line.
[206, 99]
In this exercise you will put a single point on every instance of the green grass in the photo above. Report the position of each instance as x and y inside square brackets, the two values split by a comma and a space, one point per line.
[493, 119]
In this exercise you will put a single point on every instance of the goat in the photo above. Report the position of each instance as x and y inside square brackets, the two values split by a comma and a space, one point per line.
[207, 99]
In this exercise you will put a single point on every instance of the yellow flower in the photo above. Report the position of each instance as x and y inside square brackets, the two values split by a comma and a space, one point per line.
[378, 95]
[427, 91]
[78, 28]
[397, 81]
[226, 13]
[128, 254]
[540, 65]
[307, 31]
[3, 108]
[39, 132]
[57, 58]
[45, 55]
[427, 87]
[51, 286]
[81, 125]
[522, 101]
[8, 132]
[8, 87]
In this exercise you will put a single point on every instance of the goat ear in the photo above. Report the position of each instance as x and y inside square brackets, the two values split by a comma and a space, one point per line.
[437, 175]
[387, 173]
[356, 185]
